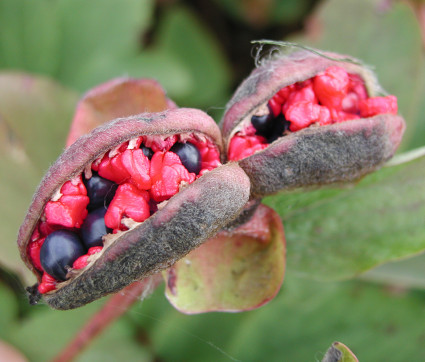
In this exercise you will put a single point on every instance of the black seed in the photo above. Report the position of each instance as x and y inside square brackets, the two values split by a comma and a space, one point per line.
[59, 251]
[100, 191]
[189, 155]
[262, 124]
[94, 228]
[153, 206]
[280, 125]
[147, 151]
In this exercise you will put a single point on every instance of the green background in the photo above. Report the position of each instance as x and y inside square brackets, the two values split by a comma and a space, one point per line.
[52, 51]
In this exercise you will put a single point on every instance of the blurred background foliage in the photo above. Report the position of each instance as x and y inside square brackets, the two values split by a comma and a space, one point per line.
[200, 51]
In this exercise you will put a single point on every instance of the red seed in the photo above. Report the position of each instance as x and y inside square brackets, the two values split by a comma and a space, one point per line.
[130, 202]
[112, 169]
[284, 92]
[331, 86]
[46, 228]
[81, 262]
[34, 252]
[47, 284]
[302, 115]
[94, 250]
[357, 86]
[275, 107]
[167, 173]
[244, 146]
[378, 105]
[324, 116]
[69, 211]
[350, 103]
[305, 94]
[138, 167]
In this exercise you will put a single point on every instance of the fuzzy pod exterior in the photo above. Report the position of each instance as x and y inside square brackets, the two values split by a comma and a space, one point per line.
[190, 217]
[317, 155]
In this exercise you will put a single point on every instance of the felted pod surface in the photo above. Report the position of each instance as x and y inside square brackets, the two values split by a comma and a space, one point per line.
[190, 217]
[316, 155]
[181, 224]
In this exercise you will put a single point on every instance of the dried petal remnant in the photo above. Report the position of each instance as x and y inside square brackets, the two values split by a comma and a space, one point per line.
[306, 120]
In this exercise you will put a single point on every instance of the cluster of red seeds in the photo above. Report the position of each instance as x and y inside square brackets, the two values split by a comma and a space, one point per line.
[330, 97]
[142, 184]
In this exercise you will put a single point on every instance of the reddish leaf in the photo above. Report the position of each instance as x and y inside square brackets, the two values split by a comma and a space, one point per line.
[234, 271]
[120, 97]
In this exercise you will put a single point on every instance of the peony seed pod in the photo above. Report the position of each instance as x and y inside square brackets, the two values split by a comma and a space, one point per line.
[153, 211]
[307, 119]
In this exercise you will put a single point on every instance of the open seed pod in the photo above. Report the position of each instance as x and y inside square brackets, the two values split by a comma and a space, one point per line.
[309, 119]
[125, 201]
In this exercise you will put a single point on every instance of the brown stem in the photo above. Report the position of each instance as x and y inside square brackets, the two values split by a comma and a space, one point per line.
[116, 306]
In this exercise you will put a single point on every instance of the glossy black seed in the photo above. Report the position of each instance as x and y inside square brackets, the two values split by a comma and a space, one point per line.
[147, 151]
[59, 251]
[94, 228]
[280, 125]
[263, 124]
[100, 191]
[189, 156]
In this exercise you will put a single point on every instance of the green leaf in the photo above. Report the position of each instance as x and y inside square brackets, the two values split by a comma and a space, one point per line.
[234, 271]
[29, 35]
[260, 13]
[99, 34]
[185, 40]
[81, 43]
[389, 40]
[35, 114]
[84, 43]
[336, 234]
[405, 273]
[8, 310]
[47, 332]
[297, 325]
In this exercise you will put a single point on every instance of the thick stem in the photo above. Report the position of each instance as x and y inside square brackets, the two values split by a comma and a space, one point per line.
[116, 306]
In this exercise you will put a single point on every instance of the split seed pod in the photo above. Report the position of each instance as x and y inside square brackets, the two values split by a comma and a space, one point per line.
[337, 152]
[180, 224]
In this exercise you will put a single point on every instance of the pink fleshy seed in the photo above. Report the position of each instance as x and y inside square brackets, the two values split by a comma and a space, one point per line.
[94, 250]
[167, 173]
[138, 167]
[331, 86]
[128, 201]
[81, 262]
[275, 107]
[68, 211]
[378, 105]
[243, 146]
[47, 284]
[305, 94]
[34, 252]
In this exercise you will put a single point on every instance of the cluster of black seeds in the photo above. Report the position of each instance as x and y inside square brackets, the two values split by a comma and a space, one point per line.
[62, 247]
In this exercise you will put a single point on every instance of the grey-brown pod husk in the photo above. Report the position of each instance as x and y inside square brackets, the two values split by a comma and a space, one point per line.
[186, 220]
[317, 155]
